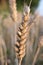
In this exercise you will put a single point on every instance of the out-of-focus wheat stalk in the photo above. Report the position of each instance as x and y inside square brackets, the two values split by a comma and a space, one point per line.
[40, 45]
[36, 20]
[13, 9]
[9, 29]
[3, 55]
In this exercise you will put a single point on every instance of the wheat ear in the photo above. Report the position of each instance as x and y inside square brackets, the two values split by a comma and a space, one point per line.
[13, 10]
[20, 46]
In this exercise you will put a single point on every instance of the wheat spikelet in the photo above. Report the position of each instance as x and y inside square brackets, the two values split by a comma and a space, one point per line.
[20, 46]
[13, 9]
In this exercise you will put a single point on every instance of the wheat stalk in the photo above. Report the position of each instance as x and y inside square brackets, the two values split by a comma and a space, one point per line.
[3, 55]
[13, 10]
[40, 45]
